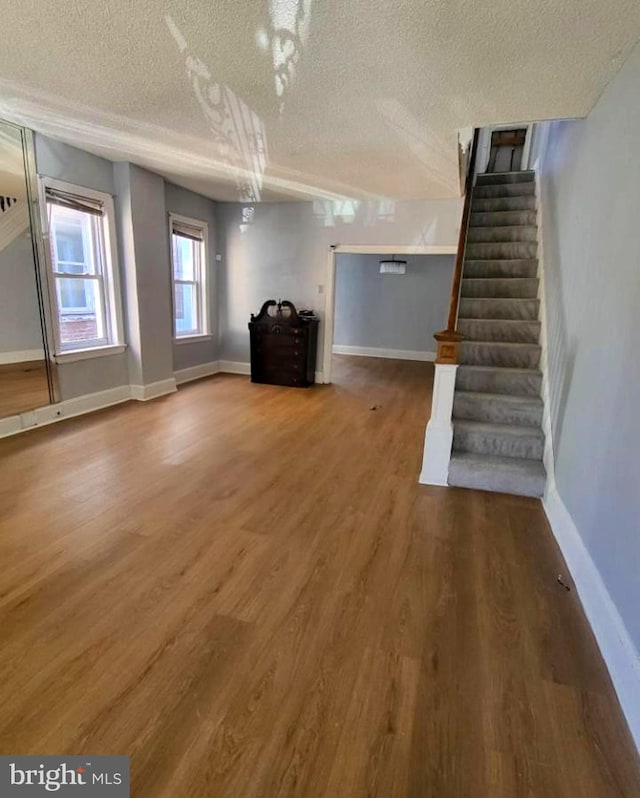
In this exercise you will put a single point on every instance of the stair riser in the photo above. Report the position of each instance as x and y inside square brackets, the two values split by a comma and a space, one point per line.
[497, 411]
[503, 219]
[462, 477]
[501, 268]
[498, 235]
[500, 178]
[504, 190]
[530, 447]
[495, 288]
[513, 384]
[499, 309]
[503, 356]
[503, 249]
[526, 203]
[518, 332]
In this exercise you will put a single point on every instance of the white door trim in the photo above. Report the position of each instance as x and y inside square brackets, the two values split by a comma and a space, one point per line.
[484, 148]
[330, 283]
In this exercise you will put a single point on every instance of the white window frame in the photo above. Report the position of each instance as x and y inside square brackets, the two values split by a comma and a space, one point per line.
[201, 283]
[109, 278]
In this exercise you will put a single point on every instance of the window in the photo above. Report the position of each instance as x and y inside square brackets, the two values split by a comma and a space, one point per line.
[83, 274]
[189, 276]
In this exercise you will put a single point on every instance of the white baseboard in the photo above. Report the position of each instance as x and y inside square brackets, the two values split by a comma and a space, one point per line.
[237, 367]
[393, 354]
[234, 367]
[68, 408]
[83, 404]
[23, 356]
[88, 403]
[197, 372]
[616, 646]
[153, 389]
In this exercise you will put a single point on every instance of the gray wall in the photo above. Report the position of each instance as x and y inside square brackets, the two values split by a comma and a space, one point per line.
[391, 311]
[180, 200]
[54, 159]
[19, 313]
[591, 205]
[142, 201]
[152, 273]
[283, 252]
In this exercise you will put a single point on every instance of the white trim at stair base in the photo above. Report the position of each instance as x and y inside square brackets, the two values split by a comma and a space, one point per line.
[197, 372]
[392, 354]
[24, 356]
[616, 646]
[438, 436]
[153, 389]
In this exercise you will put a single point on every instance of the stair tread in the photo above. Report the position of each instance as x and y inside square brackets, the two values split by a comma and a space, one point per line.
[483, 279]
[515, 261]
[500, 321]
[501, 298]
[504, 218]
[527, 174]
[515, 370]
[501, 397]
[509, 227]
[499, 462]
[498, 429]
[508, 344]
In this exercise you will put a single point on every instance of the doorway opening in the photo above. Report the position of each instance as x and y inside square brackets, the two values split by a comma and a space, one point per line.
[378, 311]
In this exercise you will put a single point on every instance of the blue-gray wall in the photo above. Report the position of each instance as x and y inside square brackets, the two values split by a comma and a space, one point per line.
[143, 201]
[60, 161]
[591, 204]
[186, 203]
[282, 251]
[387, 311]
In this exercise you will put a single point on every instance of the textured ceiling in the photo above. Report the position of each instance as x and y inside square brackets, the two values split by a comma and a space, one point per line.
[266, 99]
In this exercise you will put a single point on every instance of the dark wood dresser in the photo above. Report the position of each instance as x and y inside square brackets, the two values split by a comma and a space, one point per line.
[283, 345]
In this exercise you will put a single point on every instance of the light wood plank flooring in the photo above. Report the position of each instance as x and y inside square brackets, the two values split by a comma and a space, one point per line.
[244, 588]
[23, 386]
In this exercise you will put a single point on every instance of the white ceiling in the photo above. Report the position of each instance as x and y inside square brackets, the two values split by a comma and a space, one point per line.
[282, 99]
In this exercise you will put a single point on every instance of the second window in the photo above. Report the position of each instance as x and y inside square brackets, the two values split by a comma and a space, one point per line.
[189, 277]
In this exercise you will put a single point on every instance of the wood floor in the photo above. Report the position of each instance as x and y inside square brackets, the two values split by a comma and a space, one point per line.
[23, 386]
[244, 588]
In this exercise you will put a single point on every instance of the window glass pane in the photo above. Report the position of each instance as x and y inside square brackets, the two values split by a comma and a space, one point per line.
[80, 310]
[74, 240]
[184, 258]
[186, 308]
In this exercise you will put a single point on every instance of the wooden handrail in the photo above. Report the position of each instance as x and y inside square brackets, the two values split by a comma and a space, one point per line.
[448, 340]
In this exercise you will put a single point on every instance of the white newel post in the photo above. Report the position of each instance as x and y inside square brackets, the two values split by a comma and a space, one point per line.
[439, 434]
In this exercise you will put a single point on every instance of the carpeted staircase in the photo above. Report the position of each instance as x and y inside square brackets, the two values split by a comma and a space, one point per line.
[497, 410]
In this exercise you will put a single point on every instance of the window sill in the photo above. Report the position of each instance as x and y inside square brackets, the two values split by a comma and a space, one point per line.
[192, 339]
[87, 354]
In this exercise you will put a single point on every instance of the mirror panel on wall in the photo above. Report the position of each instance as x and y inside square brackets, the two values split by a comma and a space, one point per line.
[26, 378]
